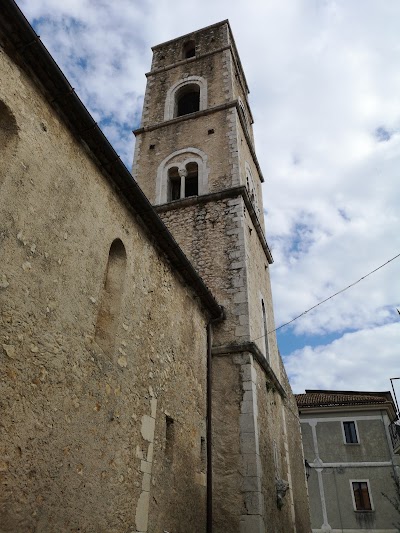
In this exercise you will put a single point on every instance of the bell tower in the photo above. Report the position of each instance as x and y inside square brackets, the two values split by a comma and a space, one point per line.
[196, 162]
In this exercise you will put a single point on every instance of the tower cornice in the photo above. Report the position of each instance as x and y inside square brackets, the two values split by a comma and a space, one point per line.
[232, 46]
[236, 60]
[204, 112]
[233, 192]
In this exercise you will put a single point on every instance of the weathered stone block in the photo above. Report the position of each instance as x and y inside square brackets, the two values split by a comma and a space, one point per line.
[252, 524]
[253, 502]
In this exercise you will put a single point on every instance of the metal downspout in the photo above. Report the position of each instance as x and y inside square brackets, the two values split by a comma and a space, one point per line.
[209, 418]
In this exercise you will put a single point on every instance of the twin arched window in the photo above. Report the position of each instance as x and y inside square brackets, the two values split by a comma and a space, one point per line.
[182, 174]
[183, 182]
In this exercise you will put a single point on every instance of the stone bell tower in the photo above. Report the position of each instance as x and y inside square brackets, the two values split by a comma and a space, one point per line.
[196, 162]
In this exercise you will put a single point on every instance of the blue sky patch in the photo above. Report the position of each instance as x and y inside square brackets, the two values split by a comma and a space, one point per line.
[288, 341]
[382, 134]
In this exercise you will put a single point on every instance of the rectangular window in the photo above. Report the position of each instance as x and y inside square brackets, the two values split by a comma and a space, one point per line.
[169, 438]
[350, 433]
[175, 188]
[191, 186]
[362, 500]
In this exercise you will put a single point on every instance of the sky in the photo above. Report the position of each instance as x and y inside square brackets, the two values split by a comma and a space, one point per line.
[324, 84]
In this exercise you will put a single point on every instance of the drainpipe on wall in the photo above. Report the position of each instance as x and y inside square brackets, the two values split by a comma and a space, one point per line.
[209, 417]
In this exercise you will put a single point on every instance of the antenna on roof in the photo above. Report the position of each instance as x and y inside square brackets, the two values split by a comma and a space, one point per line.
[394, 393]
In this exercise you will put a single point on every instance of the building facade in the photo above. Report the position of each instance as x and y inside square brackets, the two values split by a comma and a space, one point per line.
[348, 445]
[141, 388]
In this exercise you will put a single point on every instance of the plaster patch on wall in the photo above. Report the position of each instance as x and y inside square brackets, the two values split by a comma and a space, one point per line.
[147, 430]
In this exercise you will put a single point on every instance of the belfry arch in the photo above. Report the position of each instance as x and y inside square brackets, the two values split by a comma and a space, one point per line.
[190, 85]
[180, 167]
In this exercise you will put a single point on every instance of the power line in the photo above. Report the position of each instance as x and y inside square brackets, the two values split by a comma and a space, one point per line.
[329, 298]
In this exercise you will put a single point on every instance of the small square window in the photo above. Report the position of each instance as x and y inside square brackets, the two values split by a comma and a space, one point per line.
[361, 496]
[350, 433]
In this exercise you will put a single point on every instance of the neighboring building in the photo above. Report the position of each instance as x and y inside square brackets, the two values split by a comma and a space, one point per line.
[348, 443]
[141, 392]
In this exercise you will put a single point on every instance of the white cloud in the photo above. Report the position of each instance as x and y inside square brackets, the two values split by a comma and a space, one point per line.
[323, 77]
[362, 360]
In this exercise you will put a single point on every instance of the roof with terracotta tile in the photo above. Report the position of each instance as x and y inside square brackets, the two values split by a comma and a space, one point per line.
[330, 398]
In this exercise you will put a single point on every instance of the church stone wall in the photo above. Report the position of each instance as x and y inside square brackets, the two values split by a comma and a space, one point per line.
[92, 441]
[210, 234]
[227, 460]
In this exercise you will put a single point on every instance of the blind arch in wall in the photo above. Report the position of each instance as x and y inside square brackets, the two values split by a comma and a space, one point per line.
[111, 298]
[8, 139]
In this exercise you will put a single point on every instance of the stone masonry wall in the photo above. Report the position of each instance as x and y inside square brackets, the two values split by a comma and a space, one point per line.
[227, 393]
[180, 136]
[92, 441]
[210, 234]
[272, 454]
[298, 495]
[158, 84]
[207, 40]
[259, 288]
[246, 158]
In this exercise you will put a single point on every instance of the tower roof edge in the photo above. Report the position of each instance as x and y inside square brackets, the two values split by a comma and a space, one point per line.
[215, 25]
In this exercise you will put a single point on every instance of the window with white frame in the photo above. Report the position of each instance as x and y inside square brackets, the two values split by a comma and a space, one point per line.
[182, 174]
[361, 495]
[186, 96]
[183, 182]
[187, 100]
[350, 433]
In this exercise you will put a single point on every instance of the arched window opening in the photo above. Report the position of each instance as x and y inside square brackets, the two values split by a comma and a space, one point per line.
[189, 49]
[192, 180]
[265, 330]
[188, 100]
[187, 95]
[174, 183]
[182, 174]
[110, 305]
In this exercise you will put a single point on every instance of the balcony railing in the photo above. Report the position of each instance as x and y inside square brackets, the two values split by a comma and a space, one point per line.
[394, 430]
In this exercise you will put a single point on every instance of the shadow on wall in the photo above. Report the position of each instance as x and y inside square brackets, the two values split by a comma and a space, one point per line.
[8, 139]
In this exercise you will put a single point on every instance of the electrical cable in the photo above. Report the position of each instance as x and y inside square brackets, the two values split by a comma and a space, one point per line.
[329, 298]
